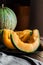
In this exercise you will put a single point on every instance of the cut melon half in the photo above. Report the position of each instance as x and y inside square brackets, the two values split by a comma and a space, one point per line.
[31, 46]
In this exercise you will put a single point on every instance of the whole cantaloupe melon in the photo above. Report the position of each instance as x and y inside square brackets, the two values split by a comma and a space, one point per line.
[8, 19]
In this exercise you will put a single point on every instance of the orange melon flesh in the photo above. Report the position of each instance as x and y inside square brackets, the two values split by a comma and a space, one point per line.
[6, 38]
[23, 33]
[26, 47]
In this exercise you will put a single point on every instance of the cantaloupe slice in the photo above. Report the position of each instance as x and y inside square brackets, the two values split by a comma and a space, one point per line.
[6, 38]
[32, 44]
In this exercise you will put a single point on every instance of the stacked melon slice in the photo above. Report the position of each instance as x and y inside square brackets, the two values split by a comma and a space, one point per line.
[26, 40]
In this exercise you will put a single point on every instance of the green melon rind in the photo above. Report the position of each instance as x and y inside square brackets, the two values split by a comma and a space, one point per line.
[13, 42]
[13, 15]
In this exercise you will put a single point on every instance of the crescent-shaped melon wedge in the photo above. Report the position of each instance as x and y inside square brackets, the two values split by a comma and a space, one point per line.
[6, 38]
[26, 47]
